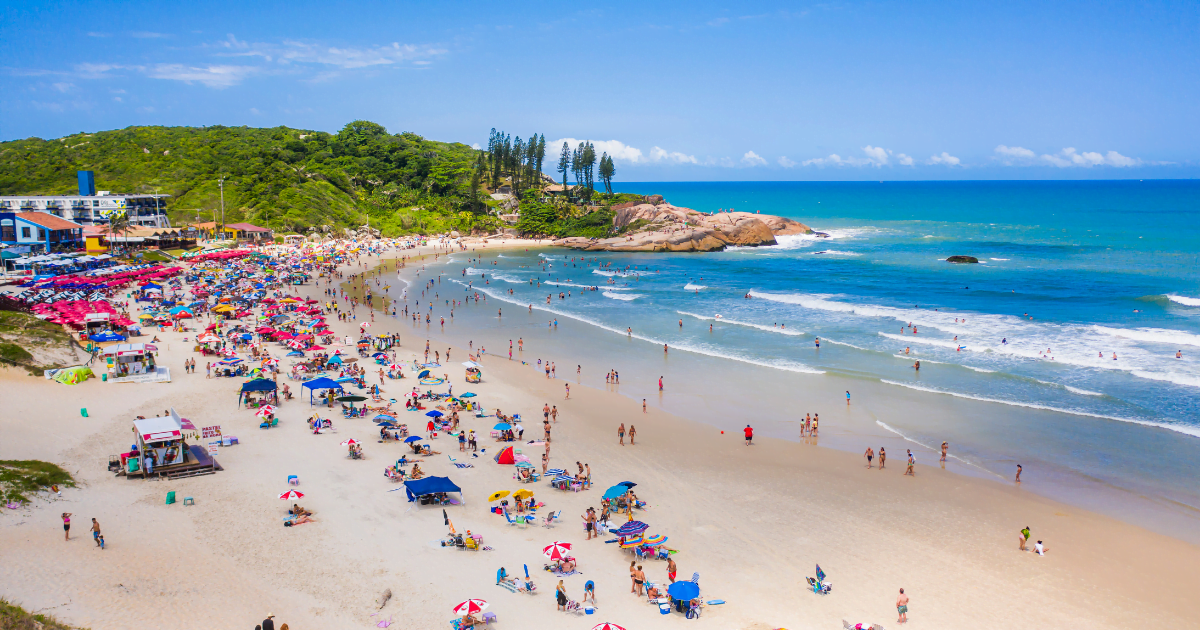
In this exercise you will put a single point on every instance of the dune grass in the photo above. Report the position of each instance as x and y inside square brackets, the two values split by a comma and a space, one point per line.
[13, 617]
[19, 478]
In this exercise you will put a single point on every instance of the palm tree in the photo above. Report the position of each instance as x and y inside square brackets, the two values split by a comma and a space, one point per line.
[119, 223]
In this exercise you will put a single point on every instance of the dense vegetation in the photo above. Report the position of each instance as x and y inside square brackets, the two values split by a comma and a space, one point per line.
[293, 180]
[287, 179]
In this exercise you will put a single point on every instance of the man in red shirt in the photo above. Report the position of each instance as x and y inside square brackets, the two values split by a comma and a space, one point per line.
[749, 434]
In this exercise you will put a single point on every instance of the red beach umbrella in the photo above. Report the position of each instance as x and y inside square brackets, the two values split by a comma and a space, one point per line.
[470, 607]
[291, 494]
[556, 550]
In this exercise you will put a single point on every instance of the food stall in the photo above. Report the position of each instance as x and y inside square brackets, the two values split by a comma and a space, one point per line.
[159, 442]
[125, 359]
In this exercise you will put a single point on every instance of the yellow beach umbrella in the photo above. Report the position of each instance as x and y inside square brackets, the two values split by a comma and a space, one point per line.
[523, 494]
[500, 494]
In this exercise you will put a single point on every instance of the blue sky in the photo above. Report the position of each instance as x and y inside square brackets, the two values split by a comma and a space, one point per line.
[687, 91]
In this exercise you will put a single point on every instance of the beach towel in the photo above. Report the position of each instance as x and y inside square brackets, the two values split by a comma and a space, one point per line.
[573, 572]
[457, 465]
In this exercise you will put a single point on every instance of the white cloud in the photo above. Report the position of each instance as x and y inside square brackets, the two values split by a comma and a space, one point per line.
[476, 146]
[658, 154]
[944, 158]
[785, 162]
[718, 21]
[97, 34]
[1020, 153]
[254, 110]
[96, 70]
[148, 35]
[875, 156]
[752, 159]
[118, 99]
[904, 160]
[293, 51]
[213, 76]
[1069, 157]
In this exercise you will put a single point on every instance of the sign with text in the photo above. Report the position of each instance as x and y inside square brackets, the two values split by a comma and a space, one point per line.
[212, 448]
[211, 432]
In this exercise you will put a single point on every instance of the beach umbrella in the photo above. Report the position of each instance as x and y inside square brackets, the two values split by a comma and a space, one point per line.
[607, 626]
[412, 438]
[467, 395]
[291, 494]
[434, 414]
[497, 495]
[383, 416]
[654, 540]
[351, 398]
[230, 361]
[349, 442]
[364, 324]
[523, 493]
[264, 410]
[631, 528]
[526, 571]
[684, 590]
[525, 464]
[615, 492]
[470, 607]
[145, 316]
[632, 542]
[503, 426]
[556, 550]
[627, 484]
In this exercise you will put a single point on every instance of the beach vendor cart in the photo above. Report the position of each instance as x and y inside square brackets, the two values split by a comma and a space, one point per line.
[159, 443]
[130, 358]
[474, 373]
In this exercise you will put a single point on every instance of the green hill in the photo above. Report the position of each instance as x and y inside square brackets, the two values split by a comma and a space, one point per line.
[287, 179]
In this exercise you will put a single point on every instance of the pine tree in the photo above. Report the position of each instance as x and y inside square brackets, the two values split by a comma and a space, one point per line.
[564, 164]
[607, 170]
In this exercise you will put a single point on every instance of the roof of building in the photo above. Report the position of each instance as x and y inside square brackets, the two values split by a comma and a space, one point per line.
[556, 188]
[48, 221]
[246, 227]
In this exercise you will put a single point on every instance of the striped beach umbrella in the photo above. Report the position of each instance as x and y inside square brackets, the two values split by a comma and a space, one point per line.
[556, 550]
[607, 626]
[470, 607]
[291, 494]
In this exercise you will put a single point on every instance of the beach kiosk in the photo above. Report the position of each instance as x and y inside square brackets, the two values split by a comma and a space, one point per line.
[159, 443]
[125, 359]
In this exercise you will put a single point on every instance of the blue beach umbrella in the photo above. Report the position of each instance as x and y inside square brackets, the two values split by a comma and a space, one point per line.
[615, 492]
[467, 395]
[503, 426]
[684, 590]
[384, 416]
[434, 414]
[412, 438]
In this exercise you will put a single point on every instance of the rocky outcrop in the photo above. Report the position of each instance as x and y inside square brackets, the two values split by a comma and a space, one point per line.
[663, 227]
[962, 259]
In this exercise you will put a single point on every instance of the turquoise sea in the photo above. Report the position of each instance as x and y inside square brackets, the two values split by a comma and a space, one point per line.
[1057, 351]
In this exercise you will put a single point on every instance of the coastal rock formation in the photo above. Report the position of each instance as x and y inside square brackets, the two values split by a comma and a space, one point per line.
[663, 227]
[962, 259]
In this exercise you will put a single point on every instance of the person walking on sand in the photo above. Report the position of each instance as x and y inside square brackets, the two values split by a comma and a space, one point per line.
[869, 455]
[671, 569]
[1018, 473]
[633, 576]
[568, 386]
[643, 405]
[912, 461]
[589, 523]
[847, 398]
[945, 447]
[882, 457]
[632, 434]
[96, 531]
[902, 607]
[621, 433]
[749, 434]
[66, 518]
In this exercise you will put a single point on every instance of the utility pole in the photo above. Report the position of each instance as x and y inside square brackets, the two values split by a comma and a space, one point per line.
[221, 184]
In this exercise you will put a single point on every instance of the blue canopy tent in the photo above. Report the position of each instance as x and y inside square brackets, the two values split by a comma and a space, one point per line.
[335, 359]
[319, 383]
[106, 336]
[430, 485]
[257, 385]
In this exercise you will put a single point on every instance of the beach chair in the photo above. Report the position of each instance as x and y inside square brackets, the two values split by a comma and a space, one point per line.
[512, 521]
[293, 480]
[552, 518]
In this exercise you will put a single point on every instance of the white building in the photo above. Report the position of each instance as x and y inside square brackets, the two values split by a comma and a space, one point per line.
[145, 210]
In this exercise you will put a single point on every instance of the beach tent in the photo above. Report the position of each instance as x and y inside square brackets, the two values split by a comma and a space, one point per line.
[319, 383]
[505, 456]
[335, 359]
[429, 485]
[257, 385]
[106, 336]
[73, 375]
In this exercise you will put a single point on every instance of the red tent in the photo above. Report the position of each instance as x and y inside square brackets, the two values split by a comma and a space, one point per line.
[505, 456]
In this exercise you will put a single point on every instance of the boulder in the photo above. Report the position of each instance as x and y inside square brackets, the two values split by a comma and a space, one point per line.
[742, 228]
[783, 226]
[962, 259]
[454, 234]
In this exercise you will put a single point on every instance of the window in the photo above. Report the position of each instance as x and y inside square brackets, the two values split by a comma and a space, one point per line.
[41, 234]
[25, 232]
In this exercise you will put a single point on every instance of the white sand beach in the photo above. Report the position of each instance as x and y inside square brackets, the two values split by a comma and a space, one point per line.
[752, 521]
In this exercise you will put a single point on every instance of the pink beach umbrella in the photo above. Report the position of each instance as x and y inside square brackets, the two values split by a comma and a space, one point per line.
[291, 494]
[556, 550]
[349, 442]
[264, 410]
[470, 607]
[608, 626]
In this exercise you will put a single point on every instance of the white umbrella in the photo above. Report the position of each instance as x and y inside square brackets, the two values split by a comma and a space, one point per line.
[556, 550]
[264, 410]
[349, 442]
[291, 494]
[470, 607]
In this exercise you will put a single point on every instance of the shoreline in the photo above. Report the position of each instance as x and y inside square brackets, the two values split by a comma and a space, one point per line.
[751, 520]
[877, 403]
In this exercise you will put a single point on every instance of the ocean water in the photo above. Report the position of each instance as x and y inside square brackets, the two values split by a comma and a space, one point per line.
[1057, 351]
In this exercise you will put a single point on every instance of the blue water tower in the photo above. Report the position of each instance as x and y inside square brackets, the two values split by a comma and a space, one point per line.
[87, 183]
